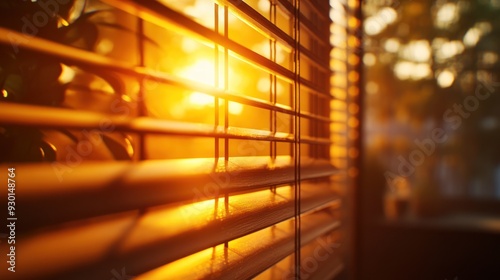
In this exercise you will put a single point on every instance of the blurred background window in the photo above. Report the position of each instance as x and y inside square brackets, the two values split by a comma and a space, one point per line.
[430, 192]
[431, 104]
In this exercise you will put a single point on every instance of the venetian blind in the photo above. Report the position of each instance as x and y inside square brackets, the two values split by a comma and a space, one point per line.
[189, 140]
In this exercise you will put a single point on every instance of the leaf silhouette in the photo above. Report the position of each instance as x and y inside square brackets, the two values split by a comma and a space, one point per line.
[32, 78]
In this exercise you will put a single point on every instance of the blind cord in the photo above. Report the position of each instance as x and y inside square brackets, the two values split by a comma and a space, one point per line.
[297, 136]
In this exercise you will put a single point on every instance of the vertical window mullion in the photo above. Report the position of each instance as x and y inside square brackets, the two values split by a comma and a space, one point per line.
[141, 96]
[297, 132]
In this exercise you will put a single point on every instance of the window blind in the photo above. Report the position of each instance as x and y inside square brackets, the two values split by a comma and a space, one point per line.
[189, 140]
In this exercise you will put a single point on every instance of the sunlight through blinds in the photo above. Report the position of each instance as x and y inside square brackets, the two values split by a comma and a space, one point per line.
[190, 139]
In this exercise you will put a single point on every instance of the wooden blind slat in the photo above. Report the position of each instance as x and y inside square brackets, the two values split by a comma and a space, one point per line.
[321, 259]
[52, 193]
[162, 15]
[222, 217]
[247, 256]
[48, 117]
[156, 236]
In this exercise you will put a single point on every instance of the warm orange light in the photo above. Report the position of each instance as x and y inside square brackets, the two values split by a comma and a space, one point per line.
[353, 153]
[338, 139]
[353, 122]
[353, 76]
[338, 116]
[235, 108]
[353, 108]
[67, 74]
[353, 42]
[104, 46]
[338, 93]
[339, 81]
[338, 151]
[201, 71]
[201, 99]
[353, 4]
[353, 22]
[99, 84]
[339, 162]
[337, 127]
[353, 91]
[264, 86]
[338, 104]
[353, 134]
[264, 49]
[353, 59]
[353, 172]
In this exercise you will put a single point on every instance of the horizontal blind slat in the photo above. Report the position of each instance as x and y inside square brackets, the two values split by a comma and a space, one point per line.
[323, 64]
[53, 194]
[84, 58]
[157, 13]
[257, 19]
[49, 117]
[289, 8]
[251, 255]
[243, 9]
[125, 214]
[145, 240]
[322, 258]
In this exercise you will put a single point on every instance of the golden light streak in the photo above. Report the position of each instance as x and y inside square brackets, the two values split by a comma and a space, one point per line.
[67, 74]
[201, 99]
[235, 108]
[202, 71]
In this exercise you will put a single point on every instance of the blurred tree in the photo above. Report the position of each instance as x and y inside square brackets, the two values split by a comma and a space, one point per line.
[430, 57]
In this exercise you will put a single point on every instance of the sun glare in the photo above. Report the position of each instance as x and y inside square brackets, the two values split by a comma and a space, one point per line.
[67, 74]
[235, 108]
[201, 99]
[201, 71]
